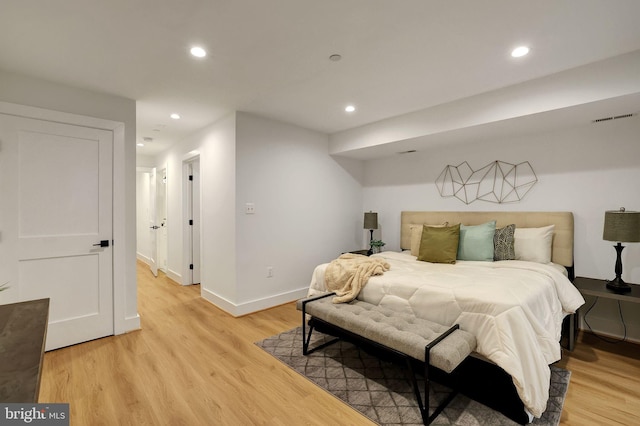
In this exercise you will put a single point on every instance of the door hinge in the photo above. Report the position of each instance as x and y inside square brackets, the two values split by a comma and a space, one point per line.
[191, 222]
[191, 266]
[190, 177]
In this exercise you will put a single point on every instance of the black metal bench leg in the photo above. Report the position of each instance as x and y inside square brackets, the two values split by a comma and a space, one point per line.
[306, 339]
[424, 407]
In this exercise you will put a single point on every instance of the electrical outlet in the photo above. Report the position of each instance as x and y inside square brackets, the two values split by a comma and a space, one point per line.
[249, 208]
[269, 271]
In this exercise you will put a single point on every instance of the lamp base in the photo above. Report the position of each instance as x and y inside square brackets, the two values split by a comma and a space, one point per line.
[617, 285]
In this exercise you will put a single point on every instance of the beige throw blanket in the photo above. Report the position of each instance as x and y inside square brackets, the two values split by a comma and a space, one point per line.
[349, 273]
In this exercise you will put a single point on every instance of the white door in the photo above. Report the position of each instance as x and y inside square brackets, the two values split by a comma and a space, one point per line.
[56, 224]
[161, 216]
[153, 228]
[192, 223]
[195, 229]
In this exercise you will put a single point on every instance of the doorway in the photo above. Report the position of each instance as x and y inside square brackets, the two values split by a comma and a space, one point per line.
[151, 221]
[161, 217]
[191, 213]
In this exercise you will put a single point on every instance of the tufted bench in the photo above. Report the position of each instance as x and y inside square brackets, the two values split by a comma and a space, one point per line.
[404, 334]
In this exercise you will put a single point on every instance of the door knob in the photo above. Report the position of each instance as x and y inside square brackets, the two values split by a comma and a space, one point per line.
[102, 243]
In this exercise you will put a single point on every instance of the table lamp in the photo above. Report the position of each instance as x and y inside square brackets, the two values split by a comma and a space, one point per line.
[371, 223]
[621, 226]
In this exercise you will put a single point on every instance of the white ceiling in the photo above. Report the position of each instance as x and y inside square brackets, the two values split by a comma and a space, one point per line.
[271, 57]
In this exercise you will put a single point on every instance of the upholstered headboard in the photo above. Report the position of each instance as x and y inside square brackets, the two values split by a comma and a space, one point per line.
[562, 247]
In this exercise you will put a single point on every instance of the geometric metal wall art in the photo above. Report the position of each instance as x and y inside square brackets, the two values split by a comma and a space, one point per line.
[497, 182]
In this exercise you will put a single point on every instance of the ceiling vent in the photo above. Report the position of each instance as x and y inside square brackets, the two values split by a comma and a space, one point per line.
[599, 120]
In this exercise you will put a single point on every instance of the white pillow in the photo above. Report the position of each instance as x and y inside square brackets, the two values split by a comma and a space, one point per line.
[534, 244]
[416, 237]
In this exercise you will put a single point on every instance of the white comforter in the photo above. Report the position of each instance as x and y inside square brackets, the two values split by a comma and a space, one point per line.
[514, 308]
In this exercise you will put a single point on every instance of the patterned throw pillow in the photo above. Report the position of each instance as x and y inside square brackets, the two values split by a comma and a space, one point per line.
[503, 247]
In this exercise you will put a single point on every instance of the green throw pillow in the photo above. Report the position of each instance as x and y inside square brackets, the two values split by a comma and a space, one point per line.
[476, 242]
[439, 245]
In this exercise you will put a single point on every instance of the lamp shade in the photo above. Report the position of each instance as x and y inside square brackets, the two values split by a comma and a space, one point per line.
[621, 226]
[371, 220]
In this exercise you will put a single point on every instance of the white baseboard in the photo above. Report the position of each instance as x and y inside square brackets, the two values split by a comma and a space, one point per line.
[174, 276]
[171, 274]
[218, 301]
[252, 306]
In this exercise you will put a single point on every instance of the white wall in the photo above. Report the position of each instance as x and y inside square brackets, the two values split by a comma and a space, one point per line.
[19, 89]
[218, 182]
[307, 209]
[215, 146]
[586, 170]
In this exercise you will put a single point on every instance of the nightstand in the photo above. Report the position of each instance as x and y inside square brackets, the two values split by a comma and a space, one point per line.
[364, 252]
[598, 288]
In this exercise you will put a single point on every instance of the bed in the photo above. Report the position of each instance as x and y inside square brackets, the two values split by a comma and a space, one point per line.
[515, 308]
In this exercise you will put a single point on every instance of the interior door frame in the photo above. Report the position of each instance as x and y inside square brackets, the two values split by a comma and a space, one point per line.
[187, 204]
[121, 323]
[153, 219]
[162, 188]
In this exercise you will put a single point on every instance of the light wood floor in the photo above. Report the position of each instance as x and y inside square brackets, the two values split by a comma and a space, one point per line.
[193, 364]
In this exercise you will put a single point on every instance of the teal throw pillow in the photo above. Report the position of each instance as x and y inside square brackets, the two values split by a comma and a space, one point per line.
[476, 242]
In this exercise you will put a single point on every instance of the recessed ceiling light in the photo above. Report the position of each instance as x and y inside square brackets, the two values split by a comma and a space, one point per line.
[140, 144]
[350, 108]
[519, 51]
[335, 57]
[175, 116]
[198, 52]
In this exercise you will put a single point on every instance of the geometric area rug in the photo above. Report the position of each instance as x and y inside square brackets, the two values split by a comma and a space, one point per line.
[380, 390]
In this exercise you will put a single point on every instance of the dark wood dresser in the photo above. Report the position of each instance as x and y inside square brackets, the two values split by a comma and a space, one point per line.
[23, 332]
